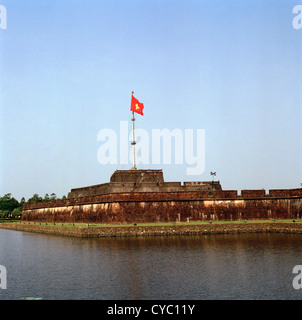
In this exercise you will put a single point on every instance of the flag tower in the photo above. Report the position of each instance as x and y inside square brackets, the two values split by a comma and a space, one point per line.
[137, 107]
[133, 143]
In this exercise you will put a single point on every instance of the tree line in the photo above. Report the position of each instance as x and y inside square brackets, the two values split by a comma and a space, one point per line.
[12, 208]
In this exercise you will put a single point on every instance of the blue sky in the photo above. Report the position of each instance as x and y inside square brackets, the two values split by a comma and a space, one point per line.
[67, 70]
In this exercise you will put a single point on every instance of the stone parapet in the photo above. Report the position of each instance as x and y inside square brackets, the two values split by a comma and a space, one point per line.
[123, 181]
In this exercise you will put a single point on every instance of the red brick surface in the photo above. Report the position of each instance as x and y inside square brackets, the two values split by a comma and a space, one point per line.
[170, 206]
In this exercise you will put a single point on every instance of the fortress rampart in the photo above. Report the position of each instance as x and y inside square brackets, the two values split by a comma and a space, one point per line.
[138, 207]
[136, 196]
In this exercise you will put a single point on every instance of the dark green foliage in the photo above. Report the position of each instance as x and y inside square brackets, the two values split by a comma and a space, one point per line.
[8, 203]
[12, 208]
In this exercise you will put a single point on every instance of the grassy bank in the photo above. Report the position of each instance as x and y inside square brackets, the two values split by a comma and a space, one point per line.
[6, 220]
[99, 225]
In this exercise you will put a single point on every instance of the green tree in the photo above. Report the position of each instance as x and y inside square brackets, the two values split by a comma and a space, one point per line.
[46, 197]
[35, 199]
[8, 203]
[53, 197]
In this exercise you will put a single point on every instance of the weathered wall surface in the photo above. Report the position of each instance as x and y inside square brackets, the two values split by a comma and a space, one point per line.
[170, 207]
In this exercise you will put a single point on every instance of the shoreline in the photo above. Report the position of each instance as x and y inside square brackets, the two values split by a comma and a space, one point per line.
[157, 229]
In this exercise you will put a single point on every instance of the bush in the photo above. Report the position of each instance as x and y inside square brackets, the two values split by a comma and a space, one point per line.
[4, 214]
[16, 213]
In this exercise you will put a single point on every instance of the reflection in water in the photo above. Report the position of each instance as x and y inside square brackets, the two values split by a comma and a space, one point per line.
[254, 266]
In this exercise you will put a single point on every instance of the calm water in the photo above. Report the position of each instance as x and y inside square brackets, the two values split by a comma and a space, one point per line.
[255, 266]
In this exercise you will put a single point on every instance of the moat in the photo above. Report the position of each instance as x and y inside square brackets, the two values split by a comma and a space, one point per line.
[216, 266]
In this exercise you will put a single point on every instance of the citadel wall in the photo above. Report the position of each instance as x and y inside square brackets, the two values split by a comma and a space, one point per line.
[138, 207]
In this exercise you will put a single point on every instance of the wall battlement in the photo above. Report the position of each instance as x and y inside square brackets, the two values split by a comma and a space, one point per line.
[171, 196]
[123, 181]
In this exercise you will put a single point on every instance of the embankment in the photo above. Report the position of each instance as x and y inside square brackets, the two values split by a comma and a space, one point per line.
[158, 230]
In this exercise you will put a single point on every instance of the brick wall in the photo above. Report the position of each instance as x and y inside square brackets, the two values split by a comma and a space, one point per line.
[168, 207]
[253, 193]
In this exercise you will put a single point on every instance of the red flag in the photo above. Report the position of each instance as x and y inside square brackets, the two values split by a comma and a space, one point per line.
[136, 106]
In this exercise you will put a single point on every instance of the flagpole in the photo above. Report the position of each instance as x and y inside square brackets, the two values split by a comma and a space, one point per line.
[133, 142]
